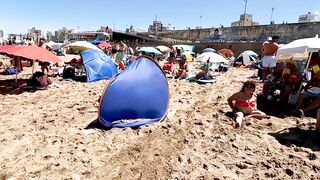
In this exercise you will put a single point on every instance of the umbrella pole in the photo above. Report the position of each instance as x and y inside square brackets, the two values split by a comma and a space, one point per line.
[308, 62]
[33, 67]
[16, 76]
[305, 71]
[17, 63]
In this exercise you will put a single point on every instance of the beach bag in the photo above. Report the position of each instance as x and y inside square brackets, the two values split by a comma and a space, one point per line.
[293, 98]
[68, 72]
[10, 71]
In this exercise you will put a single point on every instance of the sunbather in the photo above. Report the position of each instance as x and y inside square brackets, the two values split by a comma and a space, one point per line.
[244, 105]
[40, 81]
[181, 73]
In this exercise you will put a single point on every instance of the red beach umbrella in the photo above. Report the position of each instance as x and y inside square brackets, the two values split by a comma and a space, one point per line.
[104, 45]
[9, 49]
[226, 52]
[32, 52]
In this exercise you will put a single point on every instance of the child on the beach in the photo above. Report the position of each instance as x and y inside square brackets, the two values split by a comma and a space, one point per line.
[244, 104]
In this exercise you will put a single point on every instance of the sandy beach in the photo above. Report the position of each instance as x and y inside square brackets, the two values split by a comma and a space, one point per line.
[46, 135]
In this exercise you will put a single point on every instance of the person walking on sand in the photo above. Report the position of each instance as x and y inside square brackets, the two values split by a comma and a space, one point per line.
[269, 50]
[244, 105]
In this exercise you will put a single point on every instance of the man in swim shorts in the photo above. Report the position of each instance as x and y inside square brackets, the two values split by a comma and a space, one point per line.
[269, 50]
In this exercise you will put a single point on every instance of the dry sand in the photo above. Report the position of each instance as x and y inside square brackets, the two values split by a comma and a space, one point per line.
[43, 135]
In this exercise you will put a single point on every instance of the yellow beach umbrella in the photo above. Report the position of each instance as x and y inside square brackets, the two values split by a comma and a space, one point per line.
[163, 48]
[82, 46]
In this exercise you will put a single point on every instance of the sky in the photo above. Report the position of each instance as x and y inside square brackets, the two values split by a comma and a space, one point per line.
[17, 16]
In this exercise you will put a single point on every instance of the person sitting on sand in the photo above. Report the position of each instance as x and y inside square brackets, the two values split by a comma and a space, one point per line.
[283, 78]
[204, 74]
[40, 81]
[311, 93]
[168, 66]
[183, 69]
[244, 105]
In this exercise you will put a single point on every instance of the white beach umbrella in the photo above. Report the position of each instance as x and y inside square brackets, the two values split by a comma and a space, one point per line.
[214, 58]
[298, 49]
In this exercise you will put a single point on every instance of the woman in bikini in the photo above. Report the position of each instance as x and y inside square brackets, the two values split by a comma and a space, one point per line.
[244, 105]
[181, 73]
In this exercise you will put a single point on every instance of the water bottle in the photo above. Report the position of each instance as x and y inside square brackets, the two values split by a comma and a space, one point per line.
[308, 75]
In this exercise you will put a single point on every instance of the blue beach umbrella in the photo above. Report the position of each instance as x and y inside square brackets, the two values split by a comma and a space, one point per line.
[150, 50]
[209, 50]
[98, 65]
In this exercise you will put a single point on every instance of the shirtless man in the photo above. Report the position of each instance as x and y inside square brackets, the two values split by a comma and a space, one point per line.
[44, 65]
[269, 50]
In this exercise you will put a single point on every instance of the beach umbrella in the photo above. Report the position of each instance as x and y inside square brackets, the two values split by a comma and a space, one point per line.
[226, 52]
[251, 53]
[208, 50]
[163, 48]
[214, 58]
[150, 50]
[36, 53]
[104, 45]
[98, 65]
[3, 48]
[82, 46]
[298, 49]
[31, 52]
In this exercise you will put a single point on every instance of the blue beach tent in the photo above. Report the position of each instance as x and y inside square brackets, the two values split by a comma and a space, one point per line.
[98, 65]
[139, 96]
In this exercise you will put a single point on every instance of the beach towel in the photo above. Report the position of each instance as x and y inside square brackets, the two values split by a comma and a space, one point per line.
[10, 71]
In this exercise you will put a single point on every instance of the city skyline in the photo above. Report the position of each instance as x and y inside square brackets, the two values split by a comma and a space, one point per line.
[19, 15]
